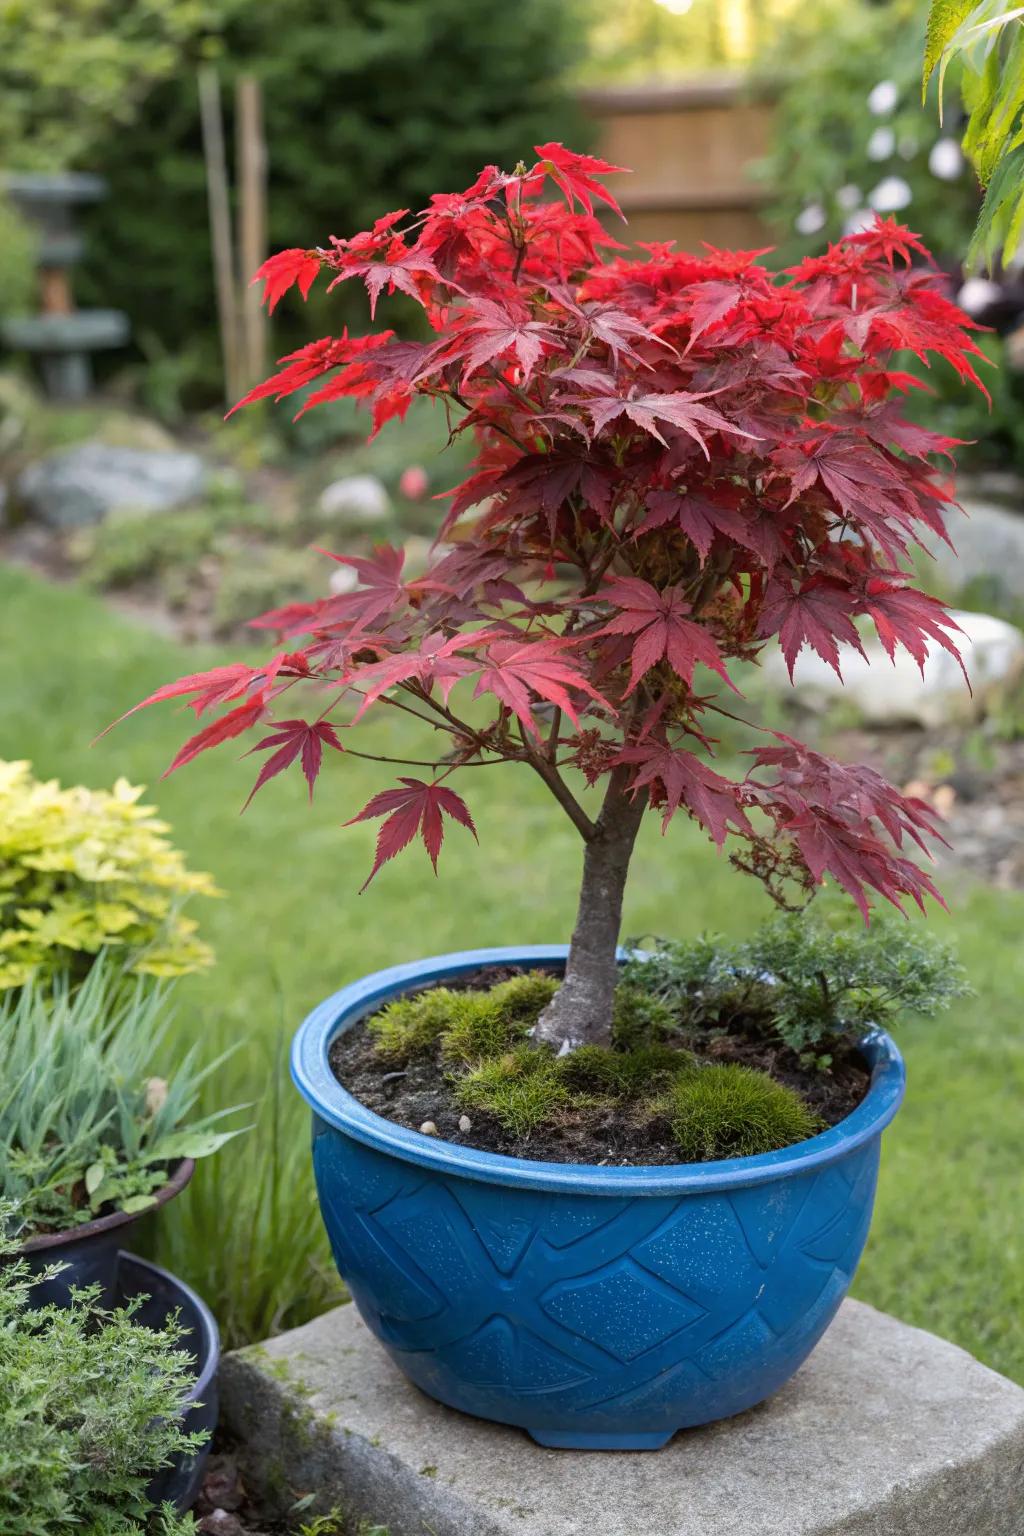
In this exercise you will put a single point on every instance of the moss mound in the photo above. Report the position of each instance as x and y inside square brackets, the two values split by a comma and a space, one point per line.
[480, 1039]
[732, 1111]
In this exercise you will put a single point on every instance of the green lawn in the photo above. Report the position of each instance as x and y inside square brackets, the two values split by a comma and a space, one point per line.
[946, 1251]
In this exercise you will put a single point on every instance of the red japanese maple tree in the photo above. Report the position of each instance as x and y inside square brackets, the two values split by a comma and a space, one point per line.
[680, 458]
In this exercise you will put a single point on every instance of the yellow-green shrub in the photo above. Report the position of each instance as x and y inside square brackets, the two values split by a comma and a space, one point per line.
[82, 870]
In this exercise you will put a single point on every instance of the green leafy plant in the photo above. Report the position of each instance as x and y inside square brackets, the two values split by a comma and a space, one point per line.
[987, 40]
[82, 870]
[71, 75]
[806, 980]
[850, 134]
[85, 1125]
[18, 251]
[402, 131]
[90, 1405]
[270, 1267]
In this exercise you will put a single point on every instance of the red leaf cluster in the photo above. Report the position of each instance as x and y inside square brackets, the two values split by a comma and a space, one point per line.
[680, 459]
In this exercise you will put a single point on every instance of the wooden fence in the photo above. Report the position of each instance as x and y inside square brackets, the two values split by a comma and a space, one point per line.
[690, 146]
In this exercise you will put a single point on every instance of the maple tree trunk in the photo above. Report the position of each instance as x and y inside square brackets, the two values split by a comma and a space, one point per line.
[580, 1013]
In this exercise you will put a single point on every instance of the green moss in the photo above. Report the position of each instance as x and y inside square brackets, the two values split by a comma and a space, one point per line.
[482, 1036]
[624, 1074]
[488, 1024]
[411, 1026]
[522, 1089]
[639, 1019]
[732, 1111]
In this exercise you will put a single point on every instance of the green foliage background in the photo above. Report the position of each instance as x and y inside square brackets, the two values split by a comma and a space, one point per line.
[369, 105]
[844, 48]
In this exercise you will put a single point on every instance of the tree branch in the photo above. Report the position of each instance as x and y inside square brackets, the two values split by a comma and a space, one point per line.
[558, 787]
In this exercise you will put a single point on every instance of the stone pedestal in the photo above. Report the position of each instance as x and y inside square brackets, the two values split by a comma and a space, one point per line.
[886, 1431]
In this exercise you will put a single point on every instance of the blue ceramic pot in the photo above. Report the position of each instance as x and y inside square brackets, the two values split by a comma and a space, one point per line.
[600, 1308]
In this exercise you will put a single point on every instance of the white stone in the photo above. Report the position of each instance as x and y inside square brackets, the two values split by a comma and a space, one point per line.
[888, 693]
[989, 549]
[84, 484]
[355, 499]
[885, 1431]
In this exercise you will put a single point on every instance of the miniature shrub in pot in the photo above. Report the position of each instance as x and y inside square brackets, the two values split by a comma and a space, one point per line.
[90, 1137]
[680, 460]
[90, 1406]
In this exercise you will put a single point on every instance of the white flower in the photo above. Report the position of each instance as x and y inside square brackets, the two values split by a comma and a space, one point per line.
[881, 144]
[849, 197]
[977, 294]
[891, 194]
[810, 219]
[946, 160]
[883, 97]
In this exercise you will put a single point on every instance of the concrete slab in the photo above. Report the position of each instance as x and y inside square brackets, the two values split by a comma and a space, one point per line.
[886, 1431]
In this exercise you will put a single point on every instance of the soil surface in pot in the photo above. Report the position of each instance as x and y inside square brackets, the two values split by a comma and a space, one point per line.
[422, 1090]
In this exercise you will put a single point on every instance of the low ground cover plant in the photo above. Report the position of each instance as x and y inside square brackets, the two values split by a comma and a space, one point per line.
[89, 1411]
[680, 459]
[86, 869]
[86, 1125]
[717, 1049]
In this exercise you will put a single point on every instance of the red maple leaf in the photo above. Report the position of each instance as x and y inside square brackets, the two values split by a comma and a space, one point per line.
[817, 614]
[677, 778]
[680, 409]
[662, 630]
[700, 518]
[292, 738]
[574, 175]
[434, 663]
[381, 586]
[708, 303]
[904, 616]
[491, 330]
[228, 726]
[515, 669]
[417, 807]
[401, 268]
[279, 273]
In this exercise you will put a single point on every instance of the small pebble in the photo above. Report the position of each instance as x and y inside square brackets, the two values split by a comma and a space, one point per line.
[465, 1124]
[428, 1128]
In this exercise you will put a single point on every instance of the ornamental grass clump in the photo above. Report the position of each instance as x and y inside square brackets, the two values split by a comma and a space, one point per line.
[90, 1409]
[679, 460]
[86, 1125]
[86, 869]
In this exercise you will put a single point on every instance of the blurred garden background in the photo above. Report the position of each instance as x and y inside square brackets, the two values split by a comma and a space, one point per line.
[153, 153]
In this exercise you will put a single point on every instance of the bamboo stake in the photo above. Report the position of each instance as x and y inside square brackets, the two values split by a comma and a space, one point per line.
[219, 203]
[252, 220]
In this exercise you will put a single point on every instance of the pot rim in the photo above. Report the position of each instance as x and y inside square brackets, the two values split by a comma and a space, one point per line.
[175, 1184]
[312, 1075]
[207, 1353]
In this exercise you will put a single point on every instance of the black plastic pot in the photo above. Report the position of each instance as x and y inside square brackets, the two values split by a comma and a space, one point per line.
[90, 1252]
[165, 1294]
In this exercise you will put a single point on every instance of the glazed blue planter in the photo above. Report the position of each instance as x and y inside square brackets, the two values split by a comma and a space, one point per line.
[596, 1308]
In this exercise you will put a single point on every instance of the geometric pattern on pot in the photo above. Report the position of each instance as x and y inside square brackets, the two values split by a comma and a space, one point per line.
[586, 1319]
[600, 1307]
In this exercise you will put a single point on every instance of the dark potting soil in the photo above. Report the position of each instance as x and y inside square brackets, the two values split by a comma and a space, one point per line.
[420, 1092]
